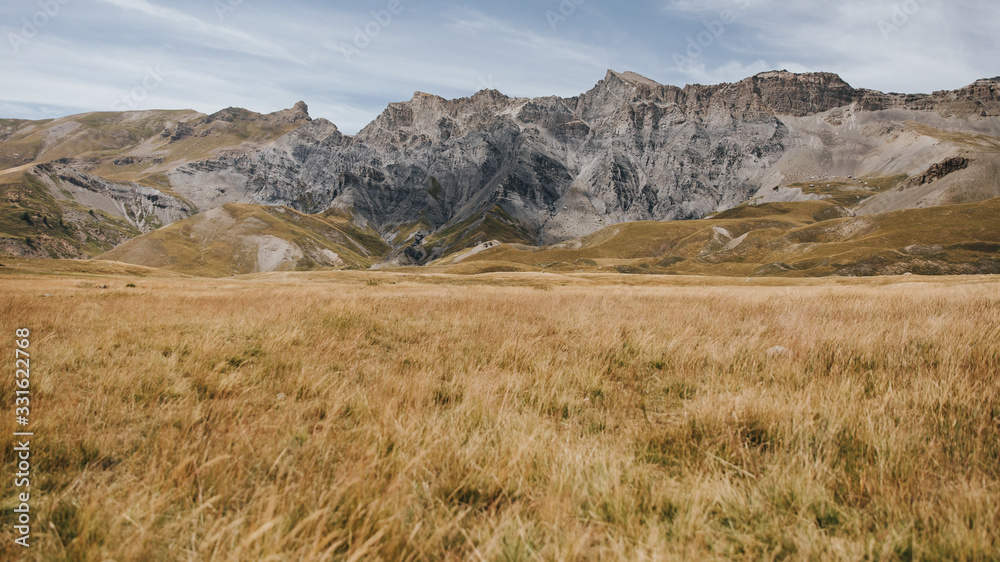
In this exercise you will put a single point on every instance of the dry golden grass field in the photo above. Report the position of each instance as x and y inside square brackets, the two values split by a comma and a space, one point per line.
[362, 416]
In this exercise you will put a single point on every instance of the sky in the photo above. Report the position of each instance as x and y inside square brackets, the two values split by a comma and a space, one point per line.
[348, 60]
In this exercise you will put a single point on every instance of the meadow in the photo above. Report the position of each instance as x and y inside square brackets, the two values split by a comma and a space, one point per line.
[363, 416]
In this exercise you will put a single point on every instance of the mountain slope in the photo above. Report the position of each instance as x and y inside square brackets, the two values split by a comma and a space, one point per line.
[628, 150]
[813, 238]
[432, 176]
[133, 144]
[237, 239]
[102, 176]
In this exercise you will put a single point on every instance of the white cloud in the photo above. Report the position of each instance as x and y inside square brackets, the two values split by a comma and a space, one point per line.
[898, 45]
[499, 34]
[92, 54]
[231, 38]
[468, 51]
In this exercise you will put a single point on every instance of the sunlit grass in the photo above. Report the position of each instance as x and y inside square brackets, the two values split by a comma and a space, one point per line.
[508, 417]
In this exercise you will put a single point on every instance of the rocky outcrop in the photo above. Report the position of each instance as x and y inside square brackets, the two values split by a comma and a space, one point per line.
[177, 131]
[629, 149]
[430, 173]
[980, 99]
[144, 207]
[296, 114]
[938, 171]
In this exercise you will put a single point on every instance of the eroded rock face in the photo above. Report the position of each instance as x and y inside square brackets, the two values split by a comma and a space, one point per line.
[144, 207]
[938, 171]
[629, 149]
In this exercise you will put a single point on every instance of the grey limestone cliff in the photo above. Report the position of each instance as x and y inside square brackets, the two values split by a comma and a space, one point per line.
[434, 171]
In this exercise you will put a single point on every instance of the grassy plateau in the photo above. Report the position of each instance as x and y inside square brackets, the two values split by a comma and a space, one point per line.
[504, 416]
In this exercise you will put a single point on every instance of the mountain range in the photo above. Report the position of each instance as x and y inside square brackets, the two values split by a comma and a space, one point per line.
[780, 173]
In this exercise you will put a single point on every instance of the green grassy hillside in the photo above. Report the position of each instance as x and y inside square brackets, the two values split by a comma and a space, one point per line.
[132, 145]
[135, 146]
[787, 239]
[801, 239]
[33, 223]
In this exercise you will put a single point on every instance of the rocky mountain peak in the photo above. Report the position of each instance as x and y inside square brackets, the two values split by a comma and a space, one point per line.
[231, 114]
[633, 79]
[788, 93]
[428, 118]
[984, 89]
[296, 114]
[490, 95]
[616, 91]
[627, 83]
[419, 96]
[824, 78]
